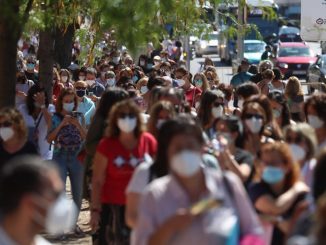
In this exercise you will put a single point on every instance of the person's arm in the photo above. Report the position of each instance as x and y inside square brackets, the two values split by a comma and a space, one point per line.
[53, 134]
[98, 179]
[132, 209]
[269, 205]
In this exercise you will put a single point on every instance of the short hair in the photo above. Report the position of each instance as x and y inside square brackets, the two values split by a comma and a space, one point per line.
[17, 120]
[247, 89]
[21, 176]
[318, 102]
[91, 70]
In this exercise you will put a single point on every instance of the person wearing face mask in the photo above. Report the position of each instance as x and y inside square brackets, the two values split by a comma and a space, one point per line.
[30, 72]
[115, 57]
[124, 146]
[82, 74]
[211, 108]
[142, 62]
[159, 114]
[200, 81]
[22, 87]
[167, 210]
[281, 111]
[231, 156]
[302, 140]
[192, 93]
[315, 110]
[67, 134]
[85, 105]
[104, 68]
[37, 113]
[110, 79]
[278, 193]
[65, 78]
[254, 118]
[33, 204]
[13, 136]
[93, 85]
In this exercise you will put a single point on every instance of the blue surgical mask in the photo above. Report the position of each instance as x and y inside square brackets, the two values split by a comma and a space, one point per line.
[273, 175]
[68, 106]
[30, 66]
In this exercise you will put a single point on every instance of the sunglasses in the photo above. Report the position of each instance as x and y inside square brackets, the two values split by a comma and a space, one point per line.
[296, 139]
[249, 116]
[124, 115]
[5, 124]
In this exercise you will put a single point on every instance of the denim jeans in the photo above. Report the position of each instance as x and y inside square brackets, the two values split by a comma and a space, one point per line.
[69, 165]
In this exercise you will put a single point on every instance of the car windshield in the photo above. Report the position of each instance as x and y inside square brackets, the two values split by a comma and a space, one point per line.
[254, 47]
[212, 37]
[295, 51]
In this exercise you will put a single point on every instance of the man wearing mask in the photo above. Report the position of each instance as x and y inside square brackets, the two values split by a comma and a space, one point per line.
[85, 105]
[95, 89]
[30, 72]
[104, 68]
[34, 204]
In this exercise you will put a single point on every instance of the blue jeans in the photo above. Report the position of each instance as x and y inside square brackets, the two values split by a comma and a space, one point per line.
[69, 165]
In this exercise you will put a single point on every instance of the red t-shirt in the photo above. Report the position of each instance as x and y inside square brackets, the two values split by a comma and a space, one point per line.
[191, 95]
[121, 165]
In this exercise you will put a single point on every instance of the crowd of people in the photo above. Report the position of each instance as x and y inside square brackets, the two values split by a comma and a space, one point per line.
[163, 156]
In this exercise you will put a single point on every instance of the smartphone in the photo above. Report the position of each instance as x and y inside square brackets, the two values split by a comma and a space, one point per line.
[205, 205]
[90, 94]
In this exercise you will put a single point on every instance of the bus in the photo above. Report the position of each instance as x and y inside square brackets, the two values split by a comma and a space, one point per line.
[255, 15]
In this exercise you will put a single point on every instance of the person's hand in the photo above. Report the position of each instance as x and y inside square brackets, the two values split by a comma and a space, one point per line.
[94, 98]
[95, 220]
[74, 121]
[300, 188]
[66, 121]
[21, 94]
[39, 98]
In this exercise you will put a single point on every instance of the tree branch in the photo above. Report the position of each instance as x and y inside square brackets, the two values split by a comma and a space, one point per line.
[27, 10]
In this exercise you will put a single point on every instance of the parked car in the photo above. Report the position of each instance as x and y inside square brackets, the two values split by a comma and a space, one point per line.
[317, 74]
[289, 34]
[294, 58]
[206, 44]
[253, 49]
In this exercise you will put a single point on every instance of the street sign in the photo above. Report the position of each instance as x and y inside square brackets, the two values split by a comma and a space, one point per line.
[313, 20]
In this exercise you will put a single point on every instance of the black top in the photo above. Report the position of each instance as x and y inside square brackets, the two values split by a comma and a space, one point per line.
[259, 189]
[256, 78]
[243, 156]
[27, 149]
[32, 76]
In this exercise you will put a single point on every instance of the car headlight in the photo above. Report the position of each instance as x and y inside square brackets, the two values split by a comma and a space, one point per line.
[203, 45]
[283, 65]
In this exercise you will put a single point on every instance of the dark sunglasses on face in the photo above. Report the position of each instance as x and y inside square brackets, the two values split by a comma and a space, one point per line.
[249, 116]
[5, 124]
[124, 115]
[296, 139]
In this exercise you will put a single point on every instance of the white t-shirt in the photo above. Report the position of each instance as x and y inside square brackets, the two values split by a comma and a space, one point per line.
[43, 146]
[139, 179]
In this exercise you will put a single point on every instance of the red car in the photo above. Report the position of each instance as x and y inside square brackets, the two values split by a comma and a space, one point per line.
[294, 58]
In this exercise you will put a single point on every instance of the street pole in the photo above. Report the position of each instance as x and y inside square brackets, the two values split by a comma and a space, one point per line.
[240, 40]
[188, 51]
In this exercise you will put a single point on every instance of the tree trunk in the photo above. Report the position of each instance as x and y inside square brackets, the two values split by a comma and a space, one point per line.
[46, 58]
[63, 45]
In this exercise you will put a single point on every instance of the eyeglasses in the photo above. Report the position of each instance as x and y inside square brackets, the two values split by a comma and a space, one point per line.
[5, 124]
[124, 115]
[297, 139]
[216, 104]
[249, 116]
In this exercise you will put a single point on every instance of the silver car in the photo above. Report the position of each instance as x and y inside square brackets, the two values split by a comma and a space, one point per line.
[206, 44]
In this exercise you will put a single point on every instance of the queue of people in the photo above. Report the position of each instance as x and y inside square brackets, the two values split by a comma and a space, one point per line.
[163, 156]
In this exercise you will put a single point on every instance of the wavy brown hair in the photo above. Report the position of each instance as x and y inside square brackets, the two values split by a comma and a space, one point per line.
[283, 149]
[64, 92]
[126, 105]
[15, 117]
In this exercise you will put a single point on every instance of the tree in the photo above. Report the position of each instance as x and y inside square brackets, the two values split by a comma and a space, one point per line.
[13, 16]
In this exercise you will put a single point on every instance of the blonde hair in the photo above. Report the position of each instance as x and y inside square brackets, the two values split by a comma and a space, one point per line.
[293, 87]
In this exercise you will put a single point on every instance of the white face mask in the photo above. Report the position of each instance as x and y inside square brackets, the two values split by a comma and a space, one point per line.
[298, 153]
[90, 82]
[68, 106]
[143, 89]
[186, 163]
[110, 82]
[180, 82]
[315, 121]
[240, 103]
[217, 112]
[160, 123]
[116, 60]
[127, 124]
[142, 63]
[81, 78]
[254, 124]
[6, 133]
[64, 79]
[61, 216]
